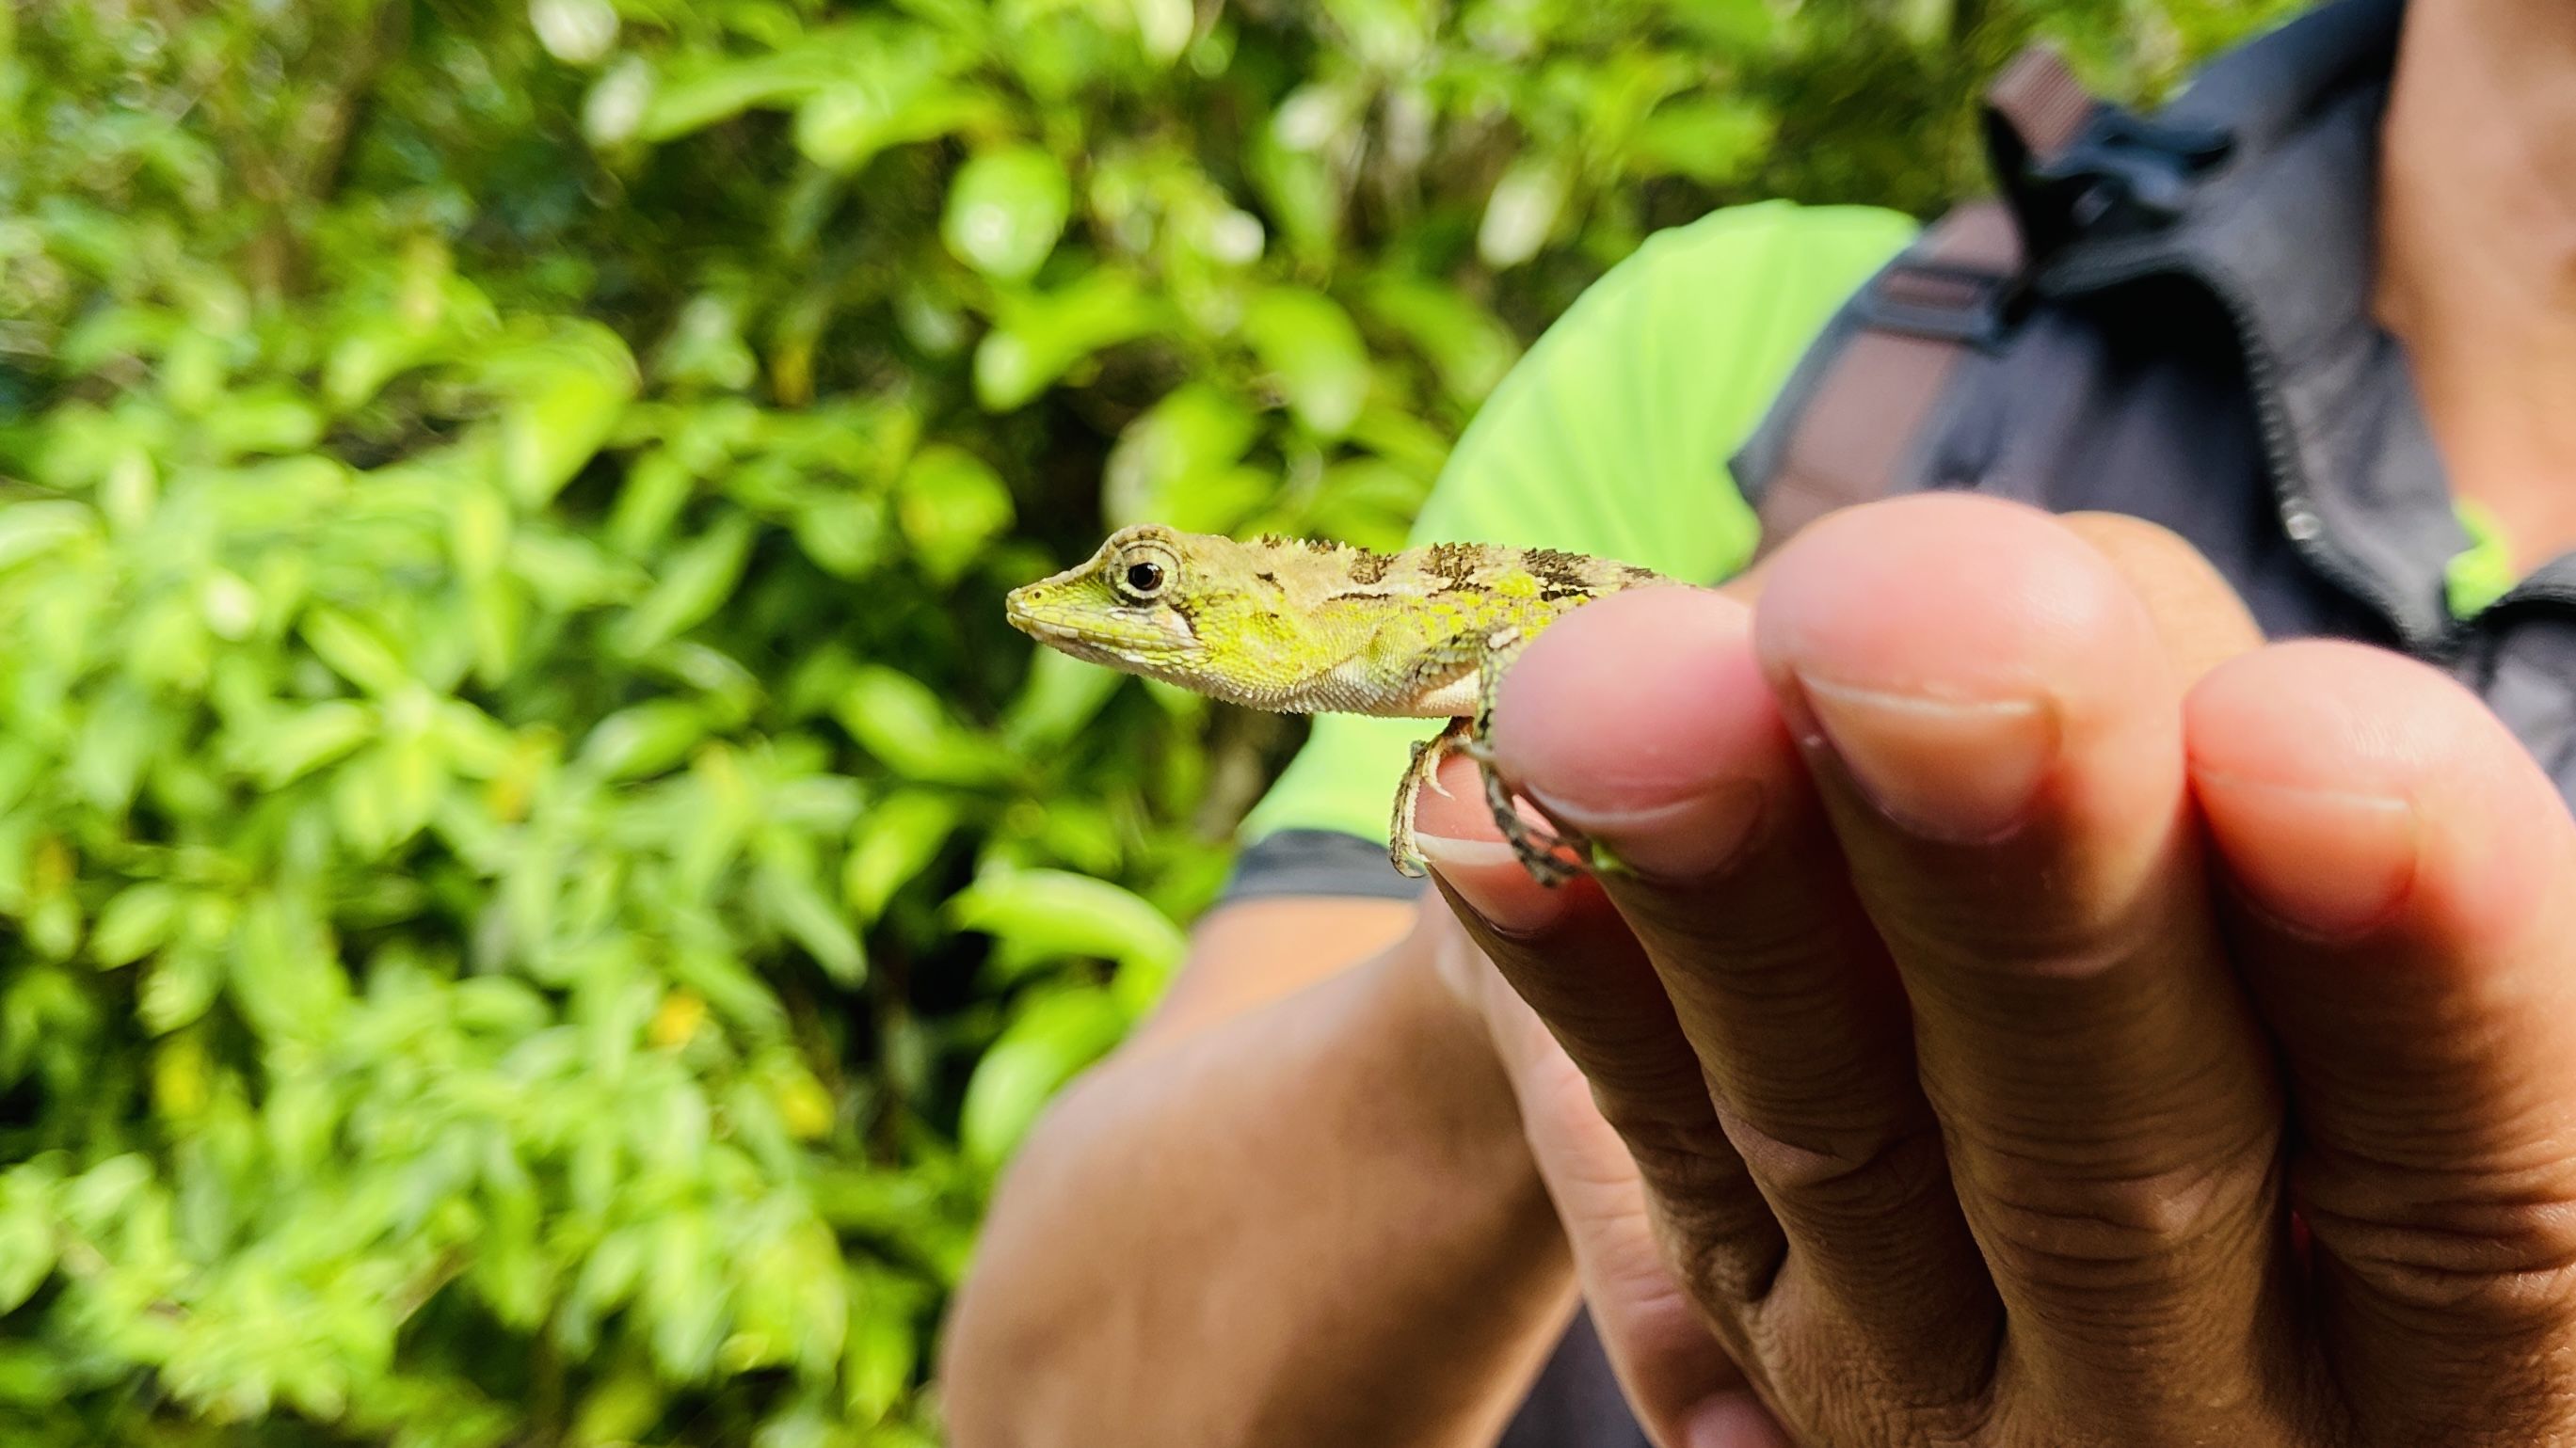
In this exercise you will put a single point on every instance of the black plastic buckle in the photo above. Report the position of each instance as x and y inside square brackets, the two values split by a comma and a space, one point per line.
[2125, 172]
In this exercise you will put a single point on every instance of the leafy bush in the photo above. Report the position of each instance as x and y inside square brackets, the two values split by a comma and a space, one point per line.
[539, 886]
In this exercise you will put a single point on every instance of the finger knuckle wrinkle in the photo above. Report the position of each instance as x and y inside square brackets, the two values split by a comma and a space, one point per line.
[2506, 1262]
[1868, 1173]
[2084, 1227]
[1680, 1159]
[1730, 1258]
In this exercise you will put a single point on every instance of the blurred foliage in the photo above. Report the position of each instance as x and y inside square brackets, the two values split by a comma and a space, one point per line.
[537, 885]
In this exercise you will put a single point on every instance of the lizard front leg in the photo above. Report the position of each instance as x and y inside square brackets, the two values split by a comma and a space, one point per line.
[1537, 849]
[1424, 770]
[1489, 654]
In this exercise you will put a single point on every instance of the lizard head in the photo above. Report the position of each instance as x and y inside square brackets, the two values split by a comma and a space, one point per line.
[1134, 606]
[1207, 613]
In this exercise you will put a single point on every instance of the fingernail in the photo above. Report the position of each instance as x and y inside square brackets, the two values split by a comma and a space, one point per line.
[1962, 772]
[1488, 876]
[2330, 863]
[1676, 840]
[1732, 1420]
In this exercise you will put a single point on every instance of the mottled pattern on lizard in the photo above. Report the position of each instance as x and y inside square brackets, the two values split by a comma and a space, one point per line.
[1307, 627]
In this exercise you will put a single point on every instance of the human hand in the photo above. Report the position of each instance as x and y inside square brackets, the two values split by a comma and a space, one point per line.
[1979, 1007]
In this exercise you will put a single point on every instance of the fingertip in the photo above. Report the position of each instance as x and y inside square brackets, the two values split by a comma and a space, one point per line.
[1642, 721]
[1733, 1420]
[1971, 666]
[1459, 841]
[2348, 789]
[1618, 700]
[1946, 595]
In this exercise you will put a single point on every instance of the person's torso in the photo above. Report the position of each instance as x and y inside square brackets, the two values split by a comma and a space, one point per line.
[2196, 347]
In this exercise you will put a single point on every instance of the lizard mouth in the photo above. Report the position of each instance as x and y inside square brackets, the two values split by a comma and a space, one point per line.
[1063, 638]
[1015, 607]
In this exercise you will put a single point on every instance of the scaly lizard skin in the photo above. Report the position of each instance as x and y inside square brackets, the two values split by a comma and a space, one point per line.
[1305, 627]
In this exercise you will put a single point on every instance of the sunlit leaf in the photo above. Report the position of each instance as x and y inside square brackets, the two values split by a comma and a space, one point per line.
[135, 923]
[1162, 468]
[28, 528]
[1050, 913]
[1520, 213]
[796, 904]
[950, 503]
[358, 651]
[694, 582]
[1049, 1039]
[1005, 209]
[283, 747]
[1039, 338]
[1308, 343]
[644, 739]
[1711, 139]
[27, 1246]
[562, 398]
[895, 839]
[902, 722]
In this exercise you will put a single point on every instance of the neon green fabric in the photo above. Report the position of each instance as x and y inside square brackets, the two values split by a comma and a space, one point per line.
[2482, 572]
[1611, 437]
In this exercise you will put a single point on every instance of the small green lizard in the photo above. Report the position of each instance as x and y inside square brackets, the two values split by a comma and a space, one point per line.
[1306, 627]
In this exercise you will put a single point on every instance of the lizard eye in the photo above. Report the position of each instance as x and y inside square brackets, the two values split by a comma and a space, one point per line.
[1144, 579]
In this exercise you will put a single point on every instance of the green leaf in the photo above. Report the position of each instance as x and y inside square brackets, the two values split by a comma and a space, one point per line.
[284, 973]
[899, 720]
[695, 582]
[1005, 210]
[844, 533]
[27, 1251]
[1314, 352]
[1042, 337]
[657, 486]
[1521, 213]
[686, 1297]
[1465, 344]
[562, 398]
[28, 529]
[693, 100]
[879, 1358]
[951, 503]
[1062, 694]
[1049, 1039]
[281, 748]
[356, 651]
[1715, 139]
[1051, 914]
[643, 739]
[178, 986]
[894, 841]
[1169, 462]
[271, 419]
[797, 906]
[134, 924]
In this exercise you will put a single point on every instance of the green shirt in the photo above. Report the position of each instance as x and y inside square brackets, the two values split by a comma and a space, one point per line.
[1612, 438]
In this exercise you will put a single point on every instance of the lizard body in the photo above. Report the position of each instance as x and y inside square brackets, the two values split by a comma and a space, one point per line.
[1309, 627]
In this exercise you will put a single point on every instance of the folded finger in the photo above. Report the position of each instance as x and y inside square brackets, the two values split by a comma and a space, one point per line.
[1999, 746]
[2407, 883]
[1644, 723]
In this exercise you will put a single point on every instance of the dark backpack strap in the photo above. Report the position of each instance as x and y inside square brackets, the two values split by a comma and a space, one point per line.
[1857, 410]
[1863, 412]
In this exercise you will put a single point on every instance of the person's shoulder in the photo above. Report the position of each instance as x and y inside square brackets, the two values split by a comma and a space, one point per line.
[1763, 245]
[1784, 223]
[1746, 286]
[1610, 436]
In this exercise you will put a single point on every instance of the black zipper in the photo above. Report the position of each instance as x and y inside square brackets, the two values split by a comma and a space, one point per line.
[2294, 501]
